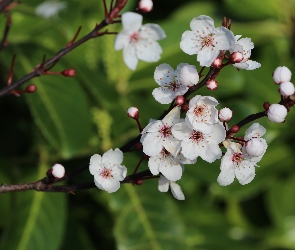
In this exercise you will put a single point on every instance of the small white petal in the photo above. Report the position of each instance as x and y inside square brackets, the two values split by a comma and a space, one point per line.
[129, 56]
[226, 177]
[163, 184]
[113, 157]
[131, 21]
[153, 31]
[245, 173]
[176, 191]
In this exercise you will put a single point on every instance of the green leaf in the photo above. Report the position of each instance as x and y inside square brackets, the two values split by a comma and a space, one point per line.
[37, 220]
[147, 219]
[60, 109]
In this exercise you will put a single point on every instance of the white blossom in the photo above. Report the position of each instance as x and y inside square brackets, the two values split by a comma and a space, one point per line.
[240, 162]
[157, 135]
[138, 42]
[281, 74]
[107, 170]
[287, 89]
[58, 170]
[168, 165]
[277, 113]
[49, 9]
[202, 113]
[163, 186]
[244, 46]
[225, 114]
[206, 40]
[195, 143]
[170, 85]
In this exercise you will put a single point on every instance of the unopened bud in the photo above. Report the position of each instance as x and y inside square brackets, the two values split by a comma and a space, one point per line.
[255, 146]
[236, 57]
[287, 89]
[179, 100]
[145, 5]
[211, 84]
[266, 105]
[138, 146]
[188, 75]
[69, 72]
[185, 107]
[225, 114]
[133, 113]
[234, 129]
[281, 74]
[217, 63]
[31, 88]
[58, 171]
[277, 113]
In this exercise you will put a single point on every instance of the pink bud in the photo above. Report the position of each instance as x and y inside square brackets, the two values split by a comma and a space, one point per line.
[58, 171]
[234, 129]
[277, 113]
[69, 72]
[211, 84]
[225, 114]
[255, 146]
[236, 57]
[287, 89]
[145, 5]
[31, 88]
[179, 100]
[281, 74]
[133, 113]
[217, 63]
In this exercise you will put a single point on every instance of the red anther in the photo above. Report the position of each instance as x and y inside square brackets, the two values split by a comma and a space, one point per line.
[69, 72]
[179, 100]
[266, 105]
[31, 88]
[234, 129]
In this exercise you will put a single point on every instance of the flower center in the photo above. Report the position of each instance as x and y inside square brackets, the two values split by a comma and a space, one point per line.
[106, 173]
[174, 86]
[207, 41]
[196, 136]
[237, 157]
[165, 131]
[134, 37]
[165, 153]
[199, 110]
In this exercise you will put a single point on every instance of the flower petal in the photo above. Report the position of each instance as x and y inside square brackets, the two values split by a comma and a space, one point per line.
[163, 95]
[171, 169]
[176, 191]
[148, 50]
[226, 177]
[245, 173]
[131, 21]
[164, 74]
[129, 57]
[163, 184]
[153, 31]
[95, 164]
[113, 157]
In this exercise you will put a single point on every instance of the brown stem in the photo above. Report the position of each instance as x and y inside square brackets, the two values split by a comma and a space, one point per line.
[6, 31]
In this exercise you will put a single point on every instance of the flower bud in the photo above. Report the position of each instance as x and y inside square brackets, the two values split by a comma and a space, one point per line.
[211, 84]
[236, 57]
[277, 113]
[188, 75]
[281, 74]
[31, 88]
[217, 63]
[179, 100]
[255, 146]
[133, 113]
[225, 114]
[58, 171]
[287, 89]
[145, 5]
[69, 72]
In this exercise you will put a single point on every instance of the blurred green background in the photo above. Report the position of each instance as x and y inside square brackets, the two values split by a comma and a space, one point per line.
[69, 119]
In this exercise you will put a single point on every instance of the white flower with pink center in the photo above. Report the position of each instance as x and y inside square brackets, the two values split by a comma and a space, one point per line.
[240, 162]
[244, 46]
[163, 186]
[195, 143]
[138, 42]
[169, 82]
[107, 170]
[206, 40]
[157, 135]
[168, 165]
[202, 113]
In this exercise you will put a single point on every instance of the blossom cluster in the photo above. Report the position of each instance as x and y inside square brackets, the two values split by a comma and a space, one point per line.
[193, 128]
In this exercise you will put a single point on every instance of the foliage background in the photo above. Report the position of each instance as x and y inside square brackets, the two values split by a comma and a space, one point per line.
[69, 119]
